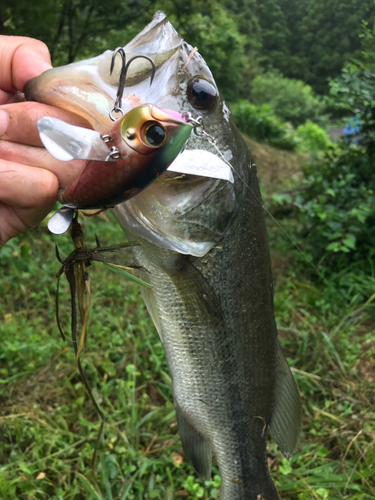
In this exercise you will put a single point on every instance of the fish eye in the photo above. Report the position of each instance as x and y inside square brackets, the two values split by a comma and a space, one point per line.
[201, 93]
[155, 134]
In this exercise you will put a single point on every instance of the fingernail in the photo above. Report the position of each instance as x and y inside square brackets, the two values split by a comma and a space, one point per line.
[3, 122]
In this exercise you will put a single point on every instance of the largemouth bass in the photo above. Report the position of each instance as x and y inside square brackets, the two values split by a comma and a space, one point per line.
[204, 246]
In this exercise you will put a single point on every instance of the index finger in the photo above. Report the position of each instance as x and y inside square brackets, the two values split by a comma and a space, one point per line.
[21, 59]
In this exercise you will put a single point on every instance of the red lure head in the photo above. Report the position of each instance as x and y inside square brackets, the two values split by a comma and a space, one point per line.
[148, 139]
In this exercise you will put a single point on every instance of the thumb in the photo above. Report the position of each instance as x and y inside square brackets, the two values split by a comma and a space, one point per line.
[21, 59]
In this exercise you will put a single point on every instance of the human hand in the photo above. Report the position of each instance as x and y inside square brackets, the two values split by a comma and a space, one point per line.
[29, 176]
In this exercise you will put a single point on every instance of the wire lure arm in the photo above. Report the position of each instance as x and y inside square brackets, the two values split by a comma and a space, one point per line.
[124, 69]
[198, 125]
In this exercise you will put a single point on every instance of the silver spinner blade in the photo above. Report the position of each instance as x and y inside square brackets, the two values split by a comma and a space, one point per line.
[68, 142]
[61, 220]
[203, 163]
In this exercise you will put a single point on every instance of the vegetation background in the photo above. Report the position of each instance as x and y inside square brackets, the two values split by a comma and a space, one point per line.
[291, 70]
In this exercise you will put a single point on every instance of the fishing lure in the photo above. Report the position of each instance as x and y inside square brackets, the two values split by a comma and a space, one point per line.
[120, 163]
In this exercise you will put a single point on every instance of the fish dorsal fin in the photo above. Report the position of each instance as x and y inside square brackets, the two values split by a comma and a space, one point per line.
[68, 142]
[197, 449]
[202, 163]
[286, 418]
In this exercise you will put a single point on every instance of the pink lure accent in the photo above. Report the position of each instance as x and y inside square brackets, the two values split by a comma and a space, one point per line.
[174, 114]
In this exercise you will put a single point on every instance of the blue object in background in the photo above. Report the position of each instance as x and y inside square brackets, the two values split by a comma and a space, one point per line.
[351, 131]
[351, 127]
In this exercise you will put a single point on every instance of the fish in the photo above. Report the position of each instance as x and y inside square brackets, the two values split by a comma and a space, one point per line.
[204, 251]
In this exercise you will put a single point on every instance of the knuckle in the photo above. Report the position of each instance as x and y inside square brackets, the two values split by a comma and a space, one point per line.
[37, 45]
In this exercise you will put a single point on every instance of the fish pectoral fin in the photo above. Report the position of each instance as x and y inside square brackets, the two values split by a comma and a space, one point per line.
[197, 449]
[286, 418]
[68, 142]
[149, 298]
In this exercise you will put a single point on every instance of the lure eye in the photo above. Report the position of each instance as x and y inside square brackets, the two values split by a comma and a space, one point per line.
[201, 94]
[131, 134]
[155, 134]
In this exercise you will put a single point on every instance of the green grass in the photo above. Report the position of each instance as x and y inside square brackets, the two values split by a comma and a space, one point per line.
[48, 425]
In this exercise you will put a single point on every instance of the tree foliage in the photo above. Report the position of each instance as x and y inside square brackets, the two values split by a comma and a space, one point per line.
[311, 40]
[74, 29]
[323, 35]
[68, 27]
[338, 211]
[275, 33]
[263, 125]
[292, 100]
[305, 40]
[312, 138]
[244, 14]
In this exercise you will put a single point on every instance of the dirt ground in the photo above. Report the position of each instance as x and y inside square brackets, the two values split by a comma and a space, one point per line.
[277, 170]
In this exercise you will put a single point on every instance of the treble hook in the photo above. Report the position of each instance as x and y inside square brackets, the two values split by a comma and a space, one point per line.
[121, 84]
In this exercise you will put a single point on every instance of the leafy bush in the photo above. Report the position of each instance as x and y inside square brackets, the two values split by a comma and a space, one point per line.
[312, 138]
[291, 100]
[338, 211]
[339, 208]
[260, 123]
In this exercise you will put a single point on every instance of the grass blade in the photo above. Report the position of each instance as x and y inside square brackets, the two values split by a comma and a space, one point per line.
[121, 271]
